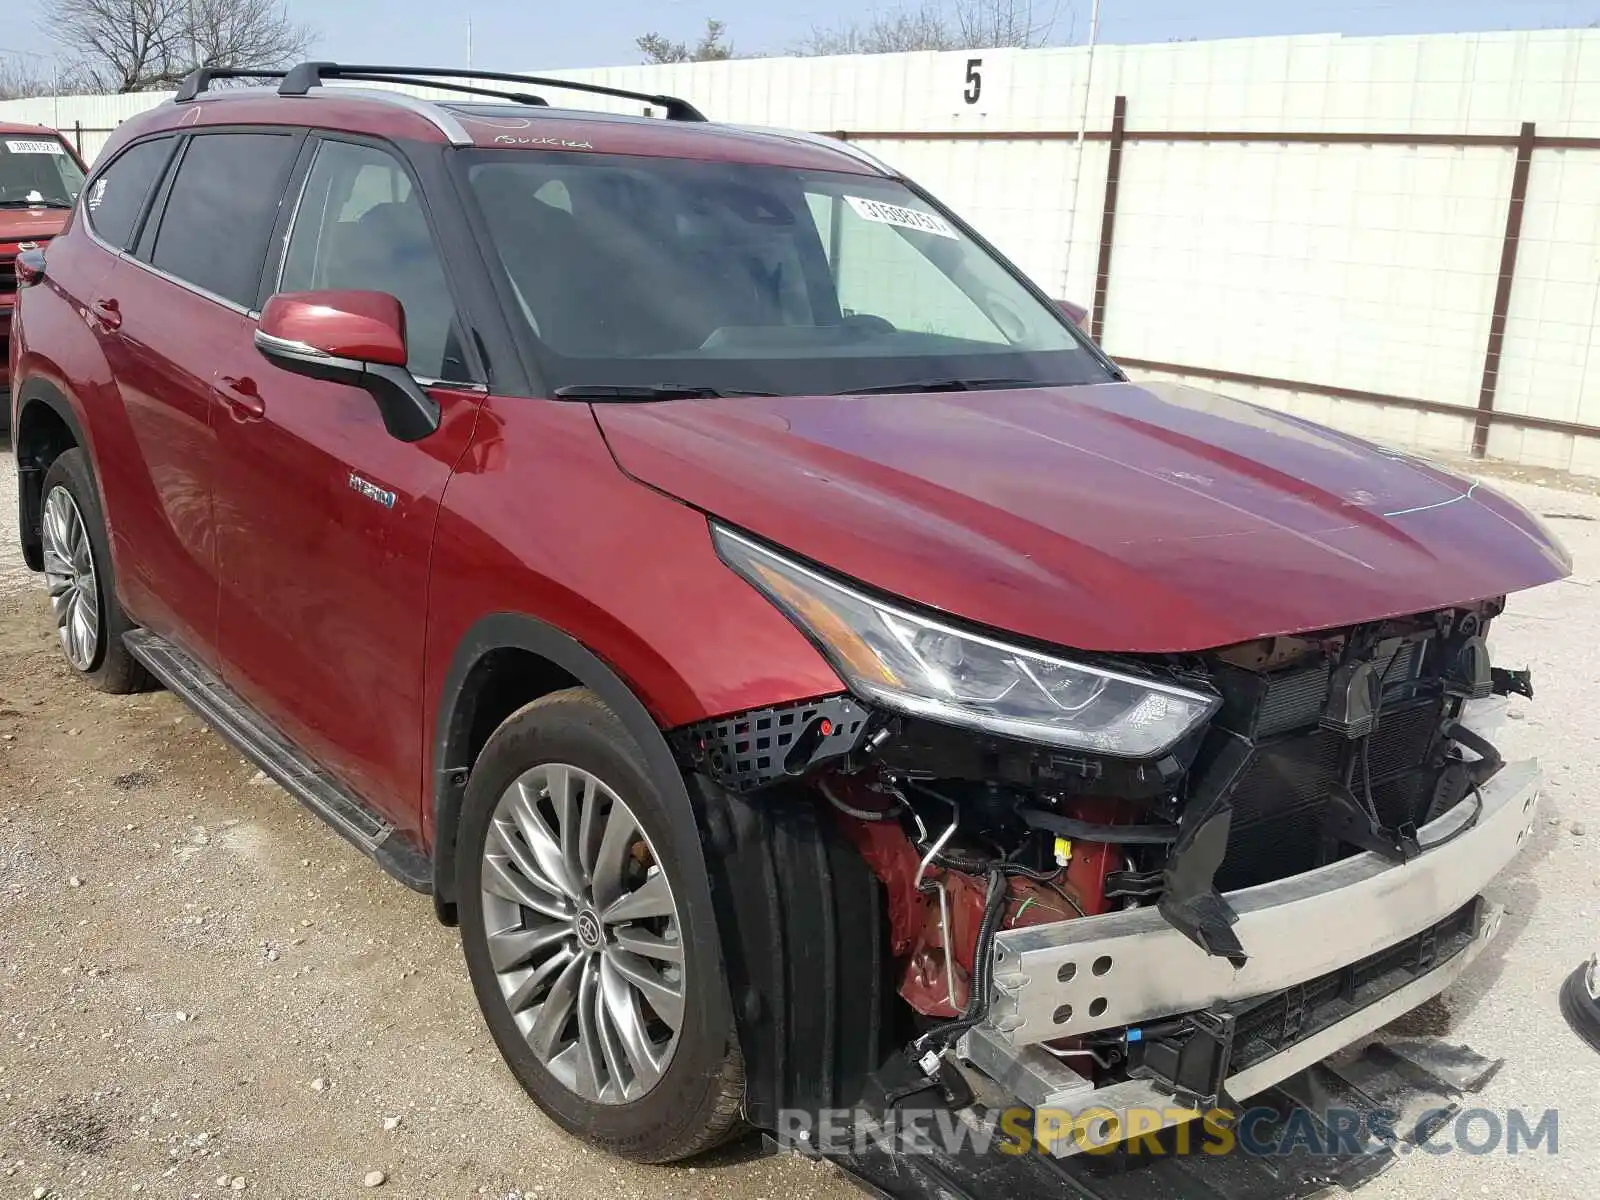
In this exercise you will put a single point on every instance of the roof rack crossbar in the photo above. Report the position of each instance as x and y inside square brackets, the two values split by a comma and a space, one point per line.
[519, 97]
[199, 80]
[301, 79]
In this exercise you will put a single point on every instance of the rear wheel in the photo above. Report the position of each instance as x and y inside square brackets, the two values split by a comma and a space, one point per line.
[78, 573]
[599, 977]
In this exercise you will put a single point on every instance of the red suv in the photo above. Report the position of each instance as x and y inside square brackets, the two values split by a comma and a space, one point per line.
[809, 670]
[40, 178]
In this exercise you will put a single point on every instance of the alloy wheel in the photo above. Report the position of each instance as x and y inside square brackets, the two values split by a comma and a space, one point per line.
[583, 933]
[69, 572]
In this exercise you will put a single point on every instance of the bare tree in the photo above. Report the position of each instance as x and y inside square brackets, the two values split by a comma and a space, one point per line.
[21, 79]
[938, 25]
[252, 34]
[136, 45]
[925, 28]
[1000, 23]
[710, 47]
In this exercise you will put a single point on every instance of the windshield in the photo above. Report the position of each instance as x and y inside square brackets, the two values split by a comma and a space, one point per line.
[37, 172]
[738, 278]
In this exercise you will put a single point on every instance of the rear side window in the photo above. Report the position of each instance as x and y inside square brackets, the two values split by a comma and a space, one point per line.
[118, 193]
[220, 212]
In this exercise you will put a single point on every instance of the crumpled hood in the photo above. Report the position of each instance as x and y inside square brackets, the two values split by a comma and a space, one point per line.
[31, 224]
[1114, 517]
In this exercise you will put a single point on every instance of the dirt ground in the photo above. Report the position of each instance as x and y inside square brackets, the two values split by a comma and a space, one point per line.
[202, 989]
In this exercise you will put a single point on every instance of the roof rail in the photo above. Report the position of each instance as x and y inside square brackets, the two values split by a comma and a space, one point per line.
[199, 80]
[519, 97]
[301, 79]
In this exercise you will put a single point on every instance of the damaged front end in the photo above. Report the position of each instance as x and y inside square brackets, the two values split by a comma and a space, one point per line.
[1167, 883]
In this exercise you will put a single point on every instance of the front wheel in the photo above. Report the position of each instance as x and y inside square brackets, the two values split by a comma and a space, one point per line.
[598, 975]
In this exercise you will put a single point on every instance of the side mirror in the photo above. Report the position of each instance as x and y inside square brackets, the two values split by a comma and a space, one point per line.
[29, 267]
[350, 337]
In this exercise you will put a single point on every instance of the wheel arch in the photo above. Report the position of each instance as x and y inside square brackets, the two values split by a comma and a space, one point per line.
[47, 425]
[475, 700]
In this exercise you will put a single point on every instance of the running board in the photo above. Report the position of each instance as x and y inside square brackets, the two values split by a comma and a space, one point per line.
[221, 708]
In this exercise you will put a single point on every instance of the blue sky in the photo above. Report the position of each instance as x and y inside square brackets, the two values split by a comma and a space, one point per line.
[516, 34]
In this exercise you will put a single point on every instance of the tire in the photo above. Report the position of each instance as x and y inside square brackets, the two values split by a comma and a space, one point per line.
[693, 1101]
[70, 504]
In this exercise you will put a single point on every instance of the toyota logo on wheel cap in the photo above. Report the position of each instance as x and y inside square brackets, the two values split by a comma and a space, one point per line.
[588, 927]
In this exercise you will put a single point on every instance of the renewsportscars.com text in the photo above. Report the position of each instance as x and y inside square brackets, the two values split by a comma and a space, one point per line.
[1261, 1131]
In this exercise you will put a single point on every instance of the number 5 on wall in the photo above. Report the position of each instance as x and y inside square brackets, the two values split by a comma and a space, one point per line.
[974, 81]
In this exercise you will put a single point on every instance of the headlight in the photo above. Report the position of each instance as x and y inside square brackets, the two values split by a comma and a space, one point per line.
[929, 669]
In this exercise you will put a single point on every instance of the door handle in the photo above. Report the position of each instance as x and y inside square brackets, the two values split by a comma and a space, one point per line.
[241, 396]
[108, 312]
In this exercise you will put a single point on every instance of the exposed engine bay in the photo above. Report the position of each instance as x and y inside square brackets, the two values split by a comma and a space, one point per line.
[1322, 746]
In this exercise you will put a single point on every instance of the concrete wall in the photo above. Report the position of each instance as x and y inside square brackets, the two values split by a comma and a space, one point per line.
[1363, 266]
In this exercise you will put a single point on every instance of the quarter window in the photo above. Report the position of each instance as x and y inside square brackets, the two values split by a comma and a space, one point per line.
[219, 216]
[361, 226]
[117, 195]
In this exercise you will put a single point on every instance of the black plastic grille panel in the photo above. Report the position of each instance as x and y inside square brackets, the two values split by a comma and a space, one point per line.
[750, 749]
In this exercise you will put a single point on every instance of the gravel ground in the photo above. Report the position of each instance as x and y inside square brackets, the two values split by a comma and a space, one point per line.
[203, 989]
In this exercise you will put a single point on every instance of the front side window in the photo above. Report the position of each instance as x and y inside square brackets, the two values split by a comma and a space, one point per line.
[220, 212]
[117, 196]
[360, 225]
[754, 278]
[37, 172]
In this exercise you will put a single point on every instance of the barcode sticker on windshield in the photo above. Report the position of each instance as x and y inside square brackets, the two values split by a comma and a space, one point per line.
[34, 147]
[906, 218]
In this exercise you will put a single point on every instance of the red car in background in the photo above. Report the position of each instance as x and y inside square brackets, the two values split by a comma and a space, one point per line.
[40, 178]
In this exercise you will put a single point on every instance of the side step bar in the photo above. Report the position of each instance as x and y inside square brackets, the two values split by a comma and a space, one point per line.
[221, 708]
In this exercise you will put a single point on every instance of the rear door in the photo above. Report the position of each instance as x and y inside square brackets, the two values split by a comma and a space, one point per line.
[325, 522]
[172, 310]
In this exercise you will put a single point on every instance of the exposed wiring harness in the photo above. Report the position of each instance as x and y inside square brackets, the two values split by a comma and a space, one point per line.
[994, 907]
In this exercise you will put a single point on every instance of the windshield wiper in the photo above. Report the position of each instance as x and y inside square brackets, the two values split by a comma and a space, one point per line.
[35, 203]
[941, 385]
[623, 393]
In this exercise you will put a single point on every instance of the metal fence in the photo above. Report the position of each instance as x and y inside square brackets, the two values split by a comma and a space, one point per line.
[1521, 146]
[87, 140]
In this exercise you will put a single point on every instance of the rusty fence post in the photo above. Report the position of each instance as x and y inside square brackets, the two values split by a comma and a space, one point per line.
[77, 137]
[1108, 219]
[1502, 291]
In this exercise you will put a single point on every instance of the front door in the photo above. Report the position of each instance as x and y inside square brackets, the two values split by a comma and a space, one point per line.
[325, 522]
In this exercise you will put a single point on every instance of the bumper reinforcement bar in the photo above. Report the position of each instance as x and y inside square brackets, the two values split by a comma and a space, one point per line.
[1126, 968]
